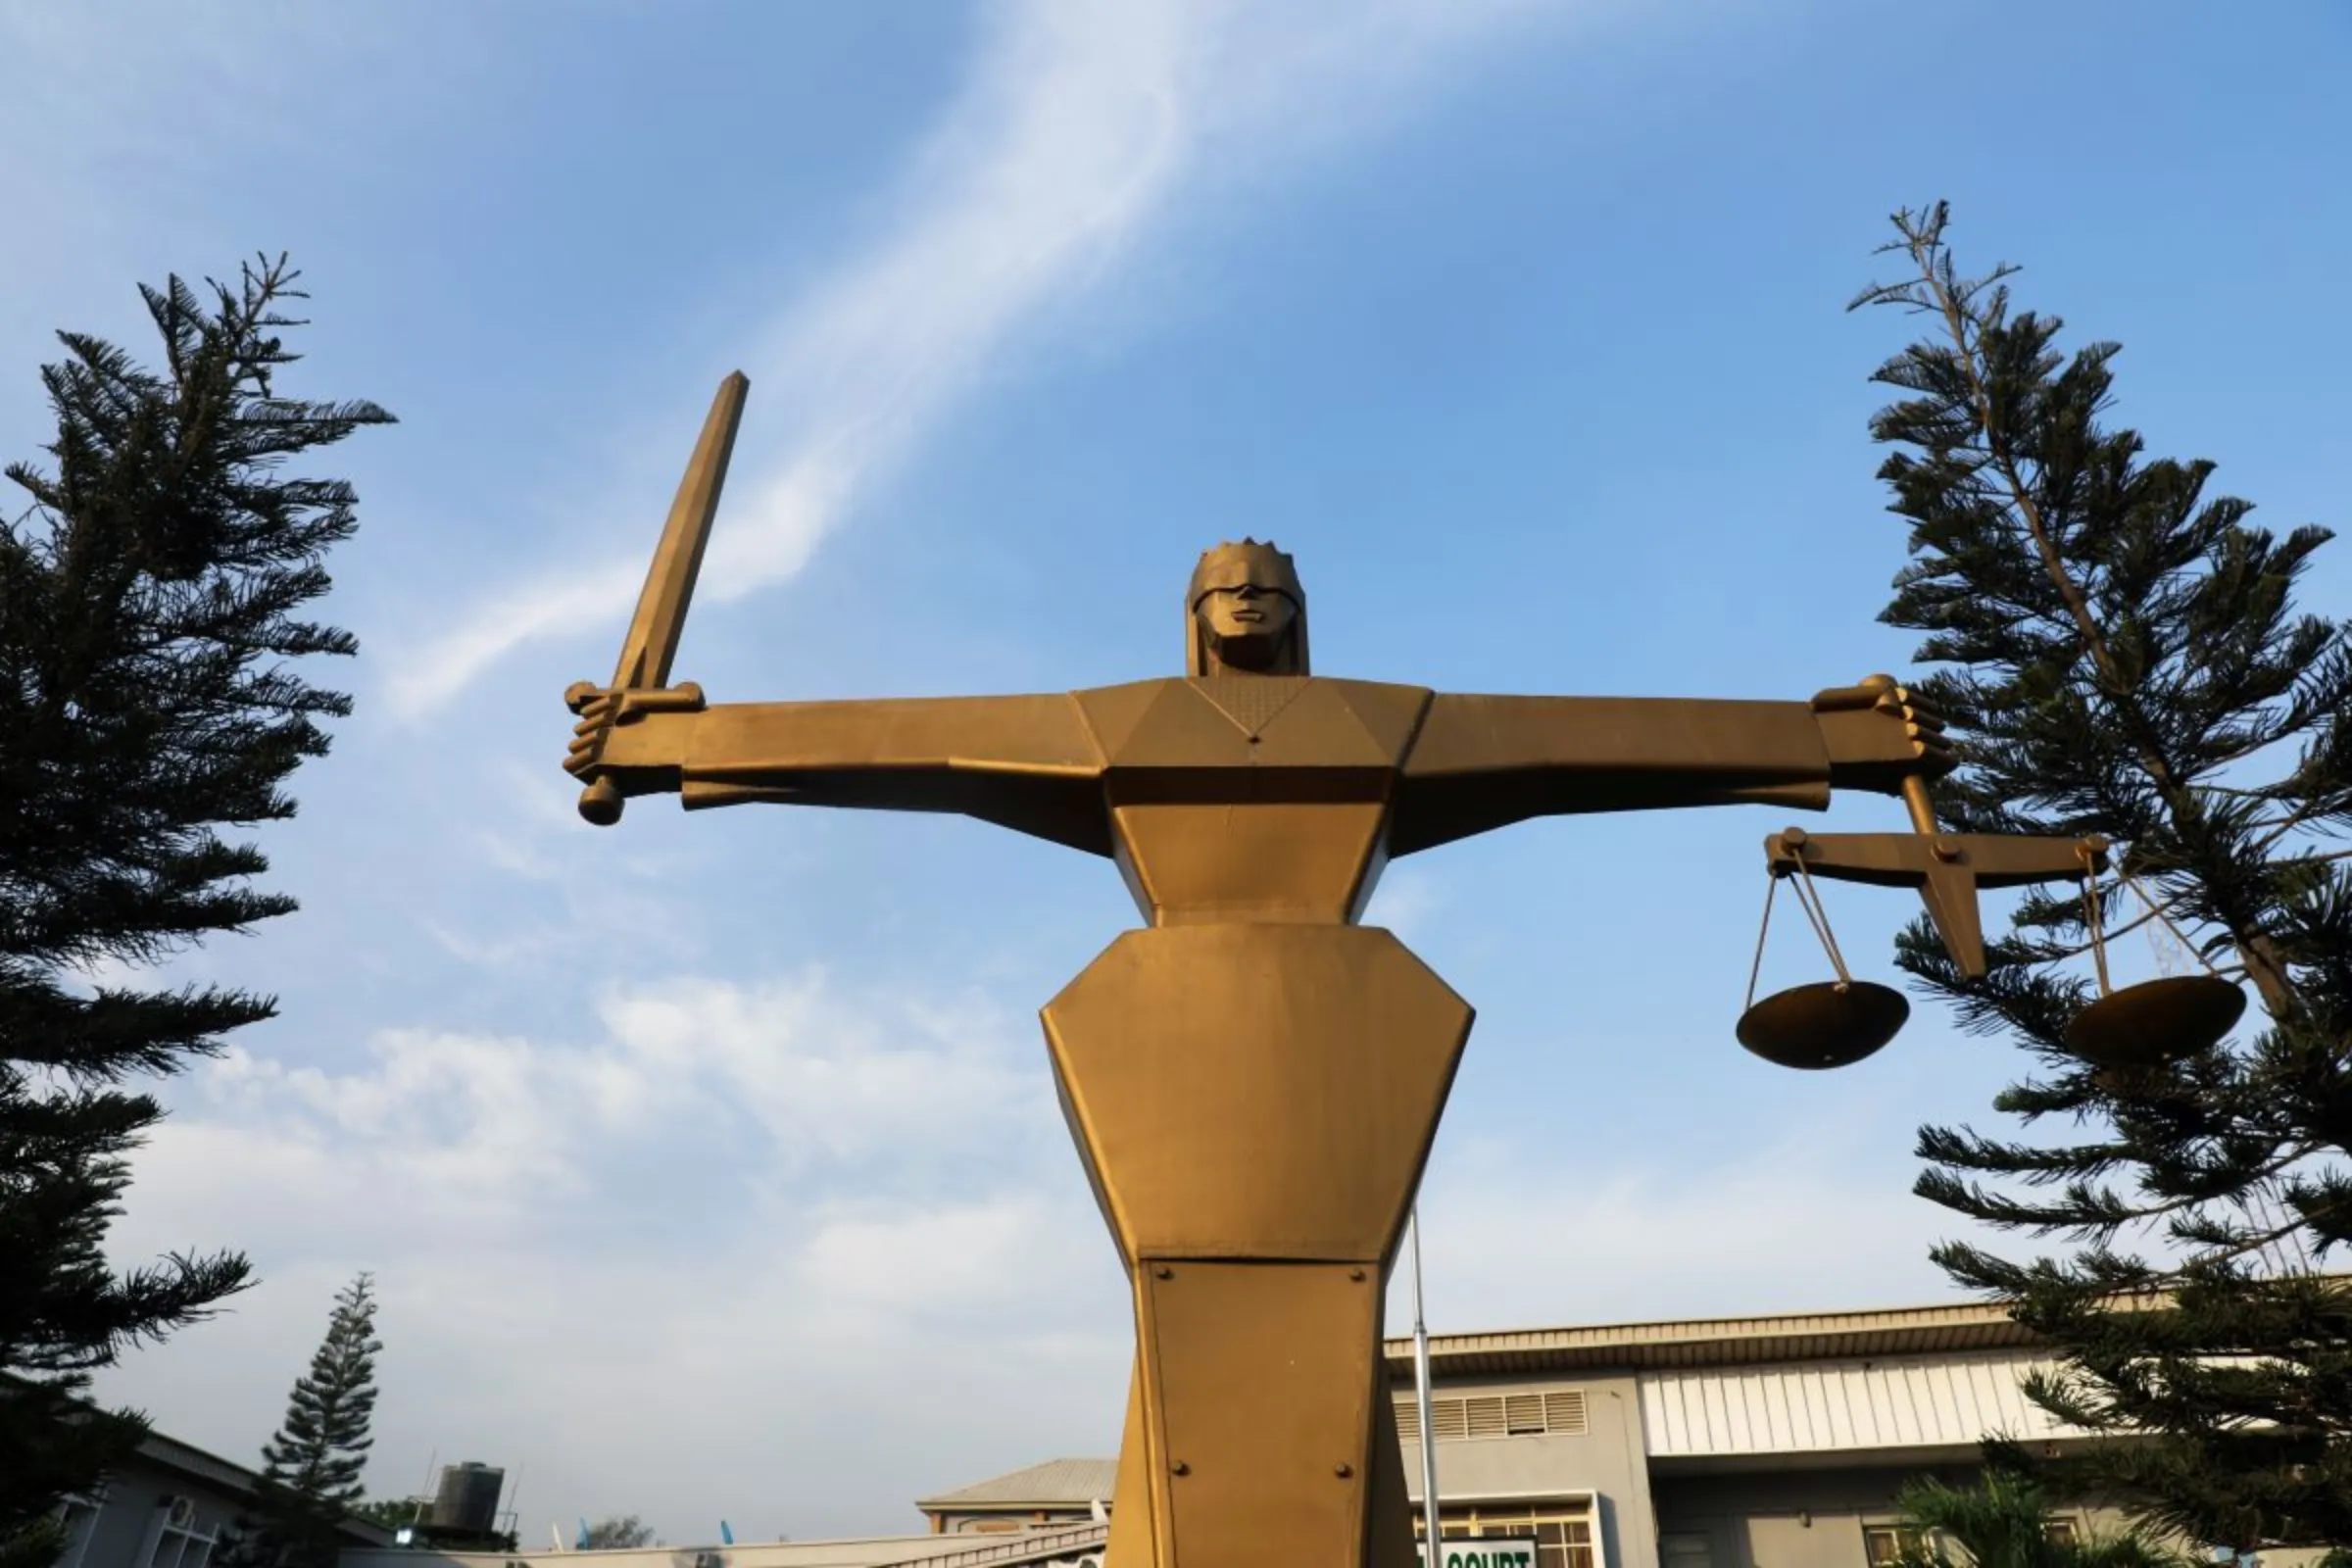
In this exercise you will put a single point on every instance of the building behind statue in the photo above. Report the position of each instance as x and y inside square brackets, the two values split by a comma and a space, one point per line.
[170, 1507]
[1738, 1443]
[1742, 1443]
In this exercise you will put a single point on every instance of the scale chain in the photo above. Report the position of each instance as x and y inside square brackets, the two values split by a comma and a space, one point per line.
[2179, 936]
[2095, 920]
[1809, 897]
[1772, 886]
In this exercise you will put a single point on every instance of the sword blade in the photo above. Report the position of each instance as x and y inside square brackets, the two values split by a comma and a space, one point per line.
[652, 640]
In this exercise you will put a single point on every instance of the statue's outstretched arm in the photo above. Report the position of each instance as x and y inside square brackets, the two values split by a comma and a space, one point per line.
[1482, 762]
[1026, 762]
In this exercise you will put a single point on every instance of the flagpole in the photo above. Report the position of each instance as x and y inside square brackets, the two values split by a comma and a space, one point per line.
[1435, 1555]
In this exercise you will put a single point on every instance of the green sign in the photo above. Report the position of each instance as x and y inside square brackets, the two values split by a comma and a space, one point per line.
[1486, 1551]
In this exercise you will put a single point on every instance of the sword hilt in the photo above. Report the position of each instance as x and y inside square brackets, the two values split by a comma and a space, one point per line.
[601, 803]
[602, 799]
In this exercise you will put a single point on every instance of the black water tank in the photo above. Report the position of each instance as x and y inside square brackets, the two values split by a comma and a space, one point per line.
[468, 1497]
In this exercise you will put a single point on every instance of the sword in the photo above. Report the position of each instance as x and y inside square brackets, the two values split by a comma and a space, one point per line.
[652, 640]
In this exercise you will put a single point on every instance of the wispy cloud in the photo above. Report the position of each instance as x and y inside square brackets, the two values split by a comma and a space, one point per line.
[1519, 1237]
[763, 1218]
[819, 1194]
[1081, 129]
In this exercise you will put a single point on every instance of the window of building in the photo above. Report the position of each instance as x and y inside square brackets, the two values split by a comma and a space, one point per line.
[1496, 1415]
[1563, 1533]
[182, 1539]
[1887, 1544]
[1687, 1551]
[79, 1515]
[1884, 1546]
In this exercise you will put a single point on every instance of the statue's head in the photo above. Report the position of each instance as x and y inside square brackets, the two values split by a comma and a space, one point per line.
[1246, 613]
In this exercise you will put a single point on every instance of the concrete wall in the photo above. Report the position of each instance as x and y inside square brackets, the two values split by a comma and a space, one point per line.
[1815, 1518]
[1606, 1459]
[949, 1522]
[1063, 1546]
[1781, 1519]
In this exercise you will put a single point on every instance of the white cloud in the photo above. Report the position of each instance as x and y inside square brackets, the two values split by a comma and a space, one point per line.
[1525, 1237]
[1082, 128]
[820, 1078]
[792, 1255]
[901, 1285]
[745, 1214]
[826, 1082]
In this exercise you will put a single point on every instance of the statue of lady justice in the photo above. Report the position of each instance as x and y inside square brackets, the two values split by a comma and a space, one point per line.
[1253, 1079]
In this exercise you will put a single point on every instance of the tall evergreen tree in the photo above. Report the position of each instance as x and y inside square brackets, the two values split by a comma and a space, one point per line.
[2121, 655]
[311, 1470]
[150, 605]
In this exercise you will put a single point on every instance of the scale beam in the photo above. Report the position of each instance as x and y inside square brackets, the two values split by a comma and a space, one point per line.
[1947, 870]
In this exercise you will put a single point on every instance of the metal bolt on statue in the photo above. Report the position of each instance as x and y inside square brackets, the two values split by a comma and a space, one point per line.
[1253, 1079]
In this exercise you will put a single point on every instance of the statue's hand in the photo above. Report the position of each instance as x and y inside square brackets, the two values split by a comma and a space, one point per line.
[615, 751]
[1880, 733]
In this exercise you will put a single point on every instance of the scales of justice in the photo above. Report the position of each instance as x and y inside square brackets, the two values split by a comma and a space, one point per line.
[1253, 1079]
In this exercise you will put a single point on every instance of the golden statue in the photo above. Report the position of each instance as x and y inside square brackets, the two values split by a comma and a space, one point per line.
[1253, 1079]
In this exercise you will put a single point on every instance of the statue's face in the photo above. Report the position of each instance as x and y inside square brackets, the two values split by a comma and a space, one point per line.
[1248, 627]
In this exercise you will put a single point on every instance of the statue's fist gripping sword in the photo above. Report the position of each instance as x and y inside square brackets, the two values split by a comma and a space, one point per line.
[641, 680]
[1947, 869]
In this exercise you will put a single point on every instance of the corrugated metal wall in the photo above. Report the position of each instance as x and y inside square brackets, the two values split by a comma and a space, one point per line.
[1806, 1407]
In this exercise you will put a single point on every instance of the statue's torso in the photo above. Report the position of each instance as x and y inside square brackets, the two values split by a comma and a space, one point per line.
[1251, 798]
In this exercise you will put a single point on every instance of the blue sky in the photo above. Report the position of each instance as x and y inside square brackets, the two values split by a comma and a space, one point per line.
[710, 1167]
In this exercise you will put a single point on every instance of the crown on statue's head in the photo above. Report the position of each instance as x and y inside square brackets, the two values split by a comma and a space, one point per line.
[1247, 564]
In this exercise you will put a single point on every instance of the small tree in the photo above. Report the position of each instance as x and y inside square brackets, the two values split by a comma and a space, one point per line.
[2121, 655]
[392, 1513]
[620, 1531]
[311, 1470]
[2003, 1521]
[150, 605]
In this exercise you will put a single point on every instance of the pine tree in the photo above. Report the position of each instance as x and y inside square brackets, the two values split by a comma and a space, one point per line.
[149, 603]
[2121, 655]
[311, 1470]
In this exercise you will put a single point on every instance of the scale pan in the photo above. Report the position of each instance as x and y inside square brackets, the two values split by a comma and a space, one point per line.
[1831, 1024]
[2156, 1021]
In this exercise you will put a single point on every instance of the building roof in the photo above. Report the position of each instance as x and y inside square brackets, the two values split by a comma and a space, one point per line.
[194, 1463]
[1686, 1343]
[1055, 1484]
[1031, 1545]
[1725, 1340]
[186, 1460]
[1046, 1545]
